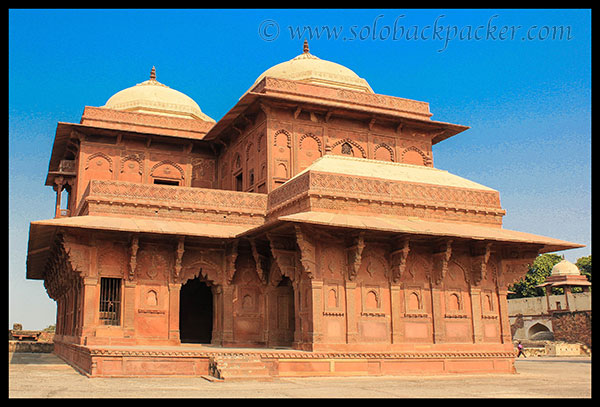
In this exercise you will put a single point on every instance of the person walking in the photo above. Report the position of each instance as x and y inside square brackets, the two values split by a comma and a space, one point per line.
[520, 350]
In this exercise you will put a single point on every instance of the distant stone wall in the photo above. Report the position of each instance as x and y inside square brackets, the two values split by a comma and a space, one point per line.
[538, 305]
[30, 347]
[573, 327]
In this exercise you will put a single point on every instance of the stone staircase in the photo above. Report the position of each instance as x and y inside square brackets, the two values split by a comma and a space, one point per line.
[238, 368]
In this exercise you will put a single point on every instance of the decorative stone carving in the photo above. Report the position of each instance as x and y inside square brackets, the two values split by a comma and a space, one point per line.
[307, 250]
[178, 257]
[284, 255]
[479, 260]
[133, 249]
[398, 259]
[354, 255]
[441, 257]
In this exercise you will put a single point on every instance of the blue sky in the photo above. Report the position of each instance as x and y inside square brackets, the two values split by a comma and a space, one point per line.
[521, 79]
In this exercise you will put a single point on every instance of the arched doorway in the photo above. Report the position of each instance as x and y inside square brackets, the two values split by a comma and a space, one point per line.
[539, 331]
[195, 312]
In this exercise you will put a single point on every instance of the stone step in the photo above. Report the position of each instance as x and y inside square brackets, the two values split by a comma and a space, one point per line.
[239, 367]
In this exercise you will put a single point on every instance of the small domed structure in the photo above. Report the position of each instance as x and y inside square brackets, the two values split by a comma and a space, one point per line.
[564, 274]
[153, 97]
[565, 268]
[310, 69]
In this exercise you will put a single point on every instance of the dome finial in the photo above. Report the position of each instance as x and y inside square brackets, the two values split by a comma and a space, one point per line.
[305, 49]
[153, 74]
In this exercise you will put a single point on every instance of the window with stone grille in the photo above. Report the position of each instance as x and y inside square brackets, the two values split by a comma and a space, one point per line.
[110, 301]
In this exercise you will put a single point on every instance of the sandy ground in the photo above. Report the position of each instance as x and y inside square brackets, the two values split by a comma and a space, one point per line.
[39, 375]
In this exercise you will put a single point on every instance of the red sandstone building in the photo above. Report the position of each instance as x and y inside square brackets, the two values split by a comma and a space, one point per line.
[307, 230]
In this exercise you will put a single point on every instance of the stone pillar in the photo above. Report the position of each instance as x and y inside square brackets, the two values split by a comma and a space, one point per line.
[476, 314]
[227, 317]
[506, 336]
[437, 313]
[297, 315]
[316, 289]
[174, 292]
[89, 307]
[267, 324]
[129, 308]
[58, 188]
[396, 311]
[351, 322]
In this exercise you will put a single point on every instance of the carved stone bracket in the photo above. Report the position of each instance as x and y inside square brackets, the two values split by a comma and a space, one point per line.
[512, 270]
[354, 255]
[441, 258]
[398, 259]
[178, 257]
[230, 258]
[480, 256]
[61, 271]
[133, 249]
[262, 266]
[307, 251]
[283, 256]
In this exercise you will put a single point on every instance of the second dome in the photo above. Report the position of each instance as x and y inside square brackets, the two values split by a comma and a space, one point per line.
[311, 69]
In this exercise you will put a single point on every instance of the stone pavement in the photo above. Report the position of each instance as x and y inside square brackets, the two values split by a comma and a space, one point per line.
[38, 375]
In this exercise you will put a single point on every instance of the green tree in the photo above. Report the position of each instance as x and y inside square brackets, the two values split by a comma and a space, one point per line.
[584, 264]
[537, 273]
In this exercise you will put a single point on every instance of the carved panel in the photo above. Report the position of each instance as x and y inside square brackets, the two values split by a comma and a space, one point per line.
[202, 263]
[112, 260]
[414, 155]
[333, 263]
[203, 172]
[153, 263]
[167, 169]
[309, 149]
[132, 165]
[383, 152]
[99, 166]
[348, 146]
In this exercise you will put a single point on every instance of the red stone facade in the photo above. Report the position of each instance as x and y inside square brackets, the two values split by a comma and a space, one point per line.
[183, 231]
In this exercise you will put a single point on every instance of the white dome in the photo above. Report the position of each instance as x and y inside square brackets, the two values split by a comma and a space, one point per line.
[311, 69]
[153, 97]
[565, 268]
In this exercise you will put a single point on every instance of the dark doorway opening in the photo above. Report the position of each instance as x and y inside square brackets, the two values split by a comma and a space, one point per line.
[239, 182]
[285, 313]
[195, 312]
